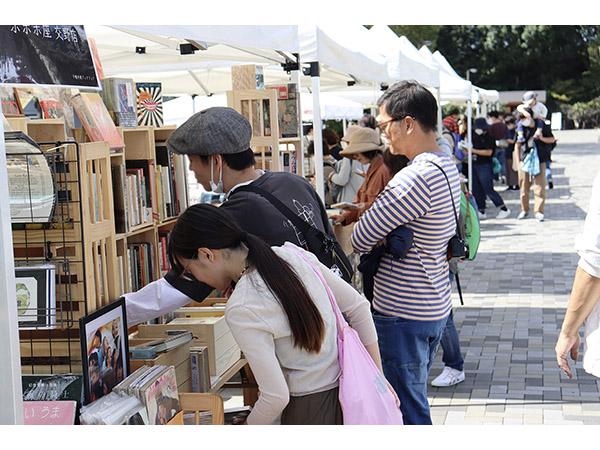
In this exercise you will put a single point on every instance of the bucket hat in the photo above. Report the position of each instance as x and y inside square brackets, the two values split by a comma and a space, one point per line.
[363, 140]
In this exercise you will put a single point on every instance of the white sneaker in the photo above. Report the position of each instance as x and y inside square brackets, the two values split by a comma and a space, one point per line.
[449, 377]
[539, 217]
[482, 216]
[503, 214]
[522, 215]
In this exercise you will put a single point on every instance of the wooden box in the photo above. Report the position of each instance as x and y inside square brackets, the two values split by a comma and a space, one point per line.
[178, 357]
[211, 332]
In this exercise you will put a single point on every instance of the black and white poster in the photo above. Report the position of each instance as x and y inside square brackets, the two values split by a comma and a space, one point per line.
[46, 55]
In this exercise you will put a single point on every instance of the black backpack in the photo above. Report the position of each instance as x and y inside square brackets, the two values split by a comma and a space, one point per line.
[326, 248]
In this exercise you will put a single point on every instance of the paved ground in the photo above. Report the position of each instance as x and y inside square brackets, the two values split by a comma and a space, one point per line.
[515, 296]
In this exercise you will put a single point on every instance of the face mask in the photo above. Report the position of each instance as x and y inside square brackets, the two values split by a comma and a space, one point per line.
[216, 188]
[479, 131]
[527, 122]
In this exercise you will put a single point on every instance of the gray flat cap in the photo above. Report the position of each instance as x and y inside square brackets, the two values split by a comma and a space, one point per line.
[213, 131]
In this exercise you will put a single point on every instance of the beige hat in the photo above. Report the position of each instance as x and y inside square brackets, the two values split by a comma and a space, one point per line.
[351, 129]
[363, 140]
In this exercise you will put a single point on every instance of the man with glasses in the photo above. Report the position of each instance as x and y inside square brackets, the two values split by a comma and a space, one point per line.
[412, 295]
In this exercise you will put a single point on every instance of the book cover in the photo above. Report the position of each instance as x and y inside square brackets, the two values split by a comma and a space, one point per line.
[149, 104]
[287, 110]
[162, 398]
[52, 387]
[96, 120]
[119, 97]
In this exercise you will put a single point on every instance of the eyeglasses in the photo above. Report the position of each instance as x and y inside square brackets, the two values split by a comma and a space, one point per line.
[383, 126]
[186, 274]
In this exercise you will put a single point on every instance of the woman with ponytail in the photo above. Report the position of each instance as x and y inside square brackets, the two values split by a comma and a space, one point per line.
[279, 313]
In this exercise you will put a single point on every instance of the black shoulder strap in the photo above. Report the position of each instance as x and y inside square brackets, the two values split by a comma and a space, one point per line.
[287, 212]
[450, 189]
[457, 228]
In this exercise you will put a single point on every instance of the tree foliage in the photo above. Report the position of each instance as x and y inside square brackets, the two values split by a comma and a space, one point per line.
[561, 59]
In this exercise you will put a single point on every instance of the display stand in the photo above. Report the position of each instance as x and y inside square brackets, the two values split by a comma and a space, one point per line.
[91, 259]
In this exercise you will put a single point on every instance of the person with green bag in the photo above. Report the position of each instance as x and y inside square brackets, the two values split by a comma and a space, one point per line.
[454, 372]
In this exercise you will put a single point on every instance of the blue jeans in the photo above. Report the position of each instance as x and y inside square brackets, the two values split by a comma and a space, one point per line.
[483, 185]
[408, 349]
[450, 343]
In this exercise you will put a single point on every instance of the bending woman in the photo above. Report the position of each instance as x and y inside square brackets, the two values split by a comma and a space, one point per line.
[279, 313]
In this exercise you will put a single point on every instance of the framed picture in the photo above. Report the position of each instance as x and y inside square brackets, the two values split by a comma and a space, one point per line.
[36, 296]
[104, 350]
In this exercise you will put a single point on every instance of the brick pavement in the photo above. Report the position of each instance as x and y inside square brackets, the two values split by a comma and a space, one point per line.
[515, 293]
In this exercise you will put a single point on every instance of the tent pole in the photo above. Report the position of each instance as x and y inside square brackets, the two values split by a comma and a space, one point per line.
[11, 395]
[317, 129]
[469, 141]
[295, 76]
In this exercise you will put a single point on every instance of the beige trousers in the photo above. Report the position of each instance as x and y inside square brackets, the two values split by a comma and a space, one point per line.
[539, 189]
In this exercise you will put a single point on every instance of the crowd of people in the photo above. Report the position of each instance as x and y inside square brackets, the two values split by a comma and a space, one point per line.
[501, 143]
[401, 188]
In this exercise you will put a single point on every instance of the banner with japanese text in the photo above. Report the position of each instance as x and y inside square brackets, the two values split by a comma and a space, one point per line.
[46, 55]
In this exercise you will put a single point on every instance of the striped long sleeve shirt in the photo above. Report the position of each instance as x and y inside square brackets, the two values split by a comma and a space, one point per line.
[416, 287]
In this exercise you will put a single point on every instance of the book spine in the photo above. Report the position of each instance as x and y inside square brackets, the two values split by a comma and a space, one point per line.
[194, 356]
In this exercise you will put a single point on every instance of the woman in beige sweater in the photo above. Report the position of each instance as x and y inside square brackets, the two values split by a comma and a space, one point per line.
[279, 313]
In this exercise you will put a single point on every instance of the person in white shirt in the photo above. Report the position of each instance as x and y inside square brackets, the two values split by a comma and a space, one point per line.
[584, 303]
[279, 313]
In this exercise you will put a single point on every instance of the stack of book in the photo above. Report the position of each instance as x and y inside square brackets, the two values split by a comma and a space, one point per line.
[147, 396]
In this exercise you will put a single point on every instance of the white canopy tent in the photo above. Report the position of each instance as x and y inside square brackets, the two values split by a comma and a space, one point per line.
[333, 107]
[336, 54]
[404, 61]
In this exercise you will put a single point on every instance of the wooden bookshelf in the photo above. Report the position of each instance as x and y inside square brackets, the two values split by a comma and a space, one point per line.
[97, 256]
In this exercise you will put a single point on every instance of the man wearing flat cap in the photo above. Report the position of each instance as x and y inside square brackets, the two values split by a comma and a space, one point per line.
[217, 143]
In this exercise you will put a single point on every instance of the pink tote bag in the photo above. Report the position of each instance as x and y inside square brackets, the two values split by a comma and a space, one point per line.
[364, 394]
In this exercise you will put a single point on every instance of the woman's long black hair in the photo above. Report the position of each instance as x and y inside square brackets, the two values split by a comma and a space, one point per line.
[204, 225]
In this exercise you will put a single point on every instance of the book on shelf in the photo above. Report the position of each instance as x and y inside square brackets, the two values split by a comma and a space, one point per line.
[121, 201]
[163, 243]
[181, 182]
[173, 188]
[149, 104]
[141, 264]
[96, 120]
[148, 192]
[200, 369]
[119, 97]
[149, 350]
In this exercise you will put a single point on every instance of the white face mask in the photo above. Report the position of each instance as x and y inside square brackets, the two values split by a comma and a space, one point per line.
[527, 122]
[216, 188]
[479, 131]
